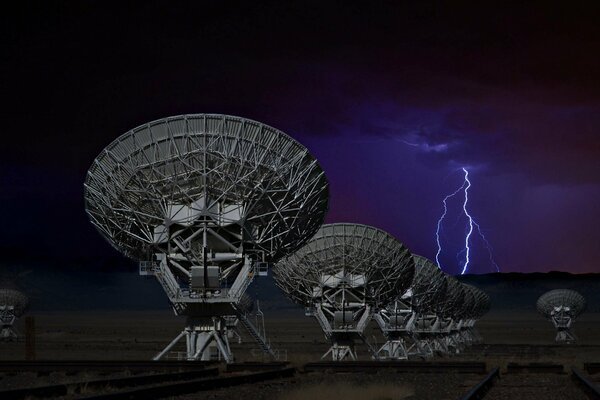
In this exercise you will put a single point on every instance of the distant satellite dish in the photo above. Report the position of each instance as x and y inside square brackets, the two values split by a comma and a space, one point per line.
[205, 202]
[562, 307]
[13, 305]
[398, 319]
[341, 274]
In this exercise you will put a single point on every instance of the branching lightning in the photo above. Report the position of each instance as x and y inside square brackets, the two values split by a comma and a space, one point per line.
[470, 227]
[439, 224]
[470, 231]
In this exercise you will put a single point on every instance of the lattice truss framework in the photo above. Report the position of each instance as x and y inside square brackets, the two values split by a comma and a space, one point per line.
[426, 292]
[428, 287]
[345, 266]
[13, 305]
[562, 307]
[436, 312]
[550, 301]
[254, 190]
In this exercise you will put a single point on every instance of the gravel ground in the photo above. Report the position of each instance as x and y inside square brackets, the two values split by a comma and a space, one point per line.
[35, 379]
[350, 386]
[536, 386]
[509, 337]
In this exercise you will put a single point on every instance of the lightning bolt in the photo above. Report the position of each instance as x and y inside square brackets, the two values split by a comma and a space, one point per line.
[439, 224]
[470, 231]
[472, 224]
[488, 247]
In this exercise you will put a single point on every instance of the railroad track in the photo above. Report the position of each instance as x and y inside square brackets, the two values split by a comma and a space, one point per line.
[73, 388]
[543, 381]
[193, 386]
[149, 386]
[398, 366]
[77, 366]
[536, 380]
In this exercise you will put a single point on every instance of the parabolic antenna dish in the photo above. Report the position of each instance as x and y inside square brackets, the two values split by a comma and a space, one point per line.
[471, 302]
[429, 285]
[547, 303]
[15, 299]
[349, 255]
[206, 202]
[253, 187]
[453, 302]
[482, 302]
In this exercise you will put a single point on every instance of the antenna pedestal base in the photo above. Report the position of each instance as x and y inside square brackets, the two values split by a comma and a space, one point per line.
[7, 319]
[204, 341]
[393, 350]
[7, 334]
[565, 336]
[341, 351]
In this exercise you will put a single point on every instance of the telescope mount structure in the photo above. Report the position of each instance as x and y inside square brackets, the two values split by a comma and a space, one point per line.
[13, 304]
[398, 321]
[205, 203]
[562, 307]
[341, 275]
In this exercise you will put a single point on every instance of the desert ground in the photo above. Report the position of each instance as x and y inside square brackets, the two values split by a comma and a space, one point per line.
[508, 337]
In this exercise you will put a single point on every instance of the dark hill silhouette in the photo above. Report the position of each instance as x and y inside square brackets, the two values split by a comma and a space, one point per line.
[96, 286]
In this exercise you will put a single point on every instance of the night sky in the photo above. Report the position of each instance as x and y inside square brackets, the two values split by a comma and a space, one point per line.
[393, 100]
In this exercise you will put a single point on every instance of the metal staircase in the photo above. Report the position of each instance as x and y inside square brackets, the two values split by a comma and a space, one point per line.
[256, 335]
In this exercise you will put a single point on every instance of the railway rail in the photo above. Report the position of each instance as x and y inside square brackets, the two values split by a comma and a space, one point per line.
[192, 386]
[65, 389]
[81, 365]
[483, 389]
[150, 385]
[592, 390]
[398, 366]
[184, 378]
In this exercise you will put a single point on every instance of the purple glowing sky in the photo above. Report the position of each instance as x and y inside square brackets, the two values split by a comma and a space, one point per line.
[392, 100]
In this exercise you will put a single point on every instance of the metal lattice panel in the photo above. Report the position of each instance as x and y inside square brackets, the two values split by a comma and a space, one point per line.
[470, 303]
[481, 304]
[428, 286]
[354, 253]
[487, 305]
[15, 299]
[561, 298]
[255, 188]
[453, 303]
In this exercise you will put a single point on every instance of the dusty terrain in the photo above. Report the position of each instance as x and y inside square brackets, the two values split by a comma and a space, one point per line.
[139, 335]
[509, 337]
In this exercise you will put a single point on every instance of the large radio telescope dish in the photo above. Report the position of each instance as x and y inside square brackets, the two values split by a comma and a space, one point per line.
[482, 302]
[428, 286]
[206, 202]
[469, 303]
[346, 253]
[14, 299]
[343, 272]
[547, 303]
[254, 185]
[452, 304]
[562, 307]
[12, 305]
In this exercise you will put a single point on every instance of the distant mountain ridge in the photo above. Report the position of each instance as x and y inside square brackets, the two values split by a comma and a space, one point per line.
[514, 290]
[80, 288]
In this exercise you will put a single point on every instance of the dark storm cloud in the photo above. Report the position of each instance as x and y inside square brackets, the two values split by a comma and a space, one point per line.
[410, 89]
[547, 143]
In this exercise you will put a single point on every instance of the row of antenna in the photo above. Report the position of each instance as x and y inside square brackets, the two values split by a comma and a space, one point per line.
[202, 200]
